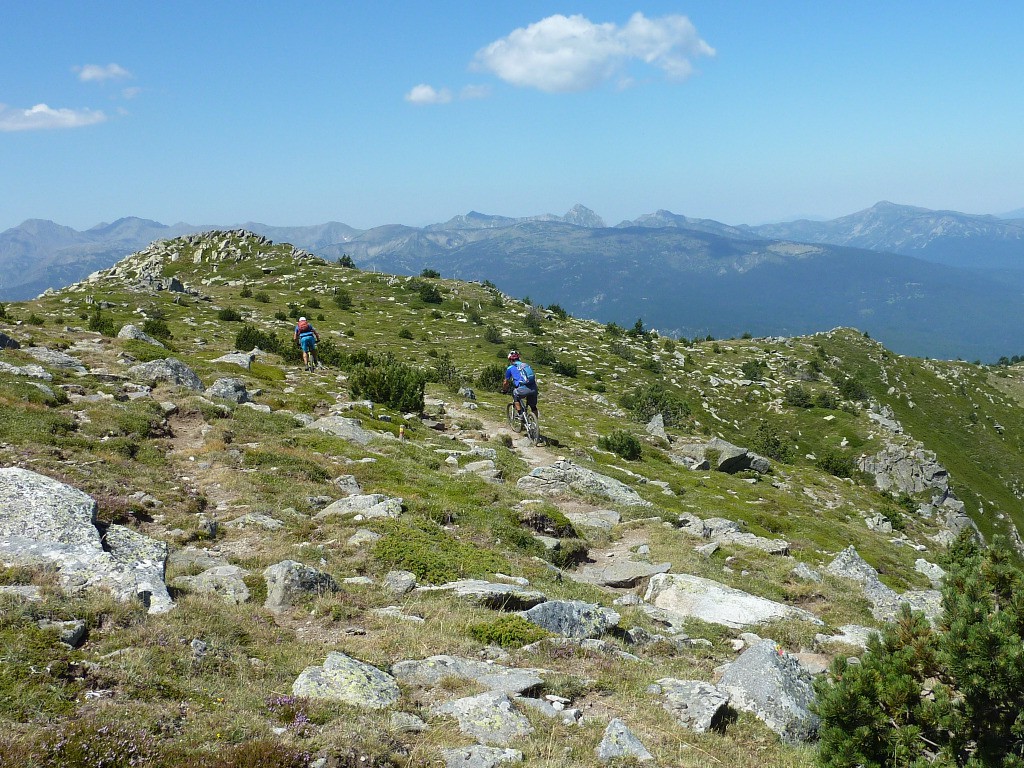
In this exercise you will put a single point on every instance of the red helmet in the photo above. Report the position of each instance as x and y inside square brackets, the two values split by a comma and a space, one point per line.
[513, 355]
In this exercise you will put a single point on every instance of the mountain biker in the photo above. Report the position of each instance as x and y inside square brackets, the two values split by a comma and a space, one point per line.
[520, 377]
[307, 338]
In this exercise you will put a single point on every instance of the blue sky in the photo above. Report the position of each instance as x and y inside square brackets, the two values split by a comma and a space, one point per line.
[410, 112]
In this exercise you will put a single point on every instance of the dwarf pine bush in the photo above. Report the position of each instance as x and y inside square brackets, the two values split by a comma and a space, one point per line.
[945, 696]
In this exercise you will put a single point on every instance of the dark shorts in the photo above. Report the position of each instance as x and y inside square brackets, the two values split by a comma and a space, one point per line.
[308, 342]
[527, 395]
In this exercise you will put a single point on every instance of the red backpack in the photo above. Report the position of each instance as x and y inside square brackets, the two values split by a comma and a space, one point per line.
[304, 327]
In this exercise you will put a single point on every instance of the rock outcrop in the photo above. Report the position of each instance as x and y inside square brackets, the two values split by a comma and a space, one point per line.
[50, 523]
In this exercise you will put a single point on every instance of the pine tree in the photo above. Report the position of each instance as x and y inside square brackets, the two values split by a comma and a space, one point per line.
[948, 696]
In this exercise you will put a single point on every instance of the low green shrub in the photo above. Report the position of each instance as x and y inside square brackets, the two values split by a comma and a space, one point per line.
[836, 462]
[491, 377]
[387, 381]
[427, 550]
[622, 443]
[569, 553]
[648, 399]
[157, 328]
[507, 631]
[229, 314]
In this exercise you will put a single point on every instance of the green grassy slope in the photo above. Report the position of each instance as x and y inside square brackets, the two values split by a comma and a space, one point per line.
[215, 459]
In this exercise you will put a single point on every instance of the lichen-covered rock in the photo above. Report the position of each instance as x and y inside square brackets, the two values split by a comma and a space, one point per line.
[130, 331]
[229, 389]
[620, 742]
[242, 359]
[227, 581]
[772, 685]
[55, 359]
[572, 618]
[564, 475]
[288, 582]
[508, 597]
[697, 705]
[48, 522]
[368, 505]
[885, 602]
[349, 429]
[479, 756]
[171, 371]
[686, 596]
[488, 717]
[493, 677]
[342, 678]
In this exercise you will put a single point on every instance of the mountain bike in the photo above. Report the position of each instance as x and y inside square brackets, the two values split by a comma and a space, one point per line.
[522, 420]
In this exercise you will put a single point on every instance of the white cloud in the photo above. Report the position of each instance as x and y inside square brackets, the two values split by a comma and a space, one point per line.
[561, 54]
[41, 117]
[130, 93]
[425, 94]
[98, 73]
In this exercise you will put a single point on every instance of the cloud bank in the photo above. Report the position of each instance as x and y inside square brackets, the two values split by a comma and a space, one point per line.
[562, 54]
[41, 117]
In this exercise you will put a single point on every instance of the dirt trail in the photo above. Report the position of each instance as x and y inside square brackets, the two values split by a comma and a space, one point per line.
[188, 436]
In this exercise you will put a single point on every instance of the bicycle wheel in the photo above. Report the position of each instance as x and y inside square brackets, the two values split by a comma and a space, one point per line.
[532, 428]
[514, 420]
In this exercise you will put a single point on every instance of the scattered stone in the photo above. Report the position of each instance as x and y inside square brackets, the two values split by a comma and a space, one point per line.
[349, 429]
[935, 573]
[289, 582]
[227, 581]
[621, 574]
[404, 722]
[23, 592]
[134, 332]
[772, 685]
[656, 428]
[488, 717]
[55, 359]
[255, 520]
[507, 597]
[564, 475]
[493, 677]
[697, 706]
[242, 359]
[572, 618]
[345, 679]
[684, 596]
[601, 519]
[348, 485]
[363, 536]
[849, 634]
[479, 757]
[229, 389]
[394, 612]
[400, 582]
[885, 602]
[805, 572]
[620, 742]
[6, 342]
[30, 371]
[171, 370]
[71, 633]
[370, 505]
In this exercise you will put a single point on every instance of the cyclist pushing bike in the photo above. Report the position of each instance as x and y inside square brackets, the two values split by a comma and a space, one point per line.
[307, 338]
[519, 376]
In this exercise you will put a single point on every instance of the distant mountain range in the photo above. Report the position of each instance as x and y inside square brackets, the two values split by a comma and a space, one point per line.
[930, 283]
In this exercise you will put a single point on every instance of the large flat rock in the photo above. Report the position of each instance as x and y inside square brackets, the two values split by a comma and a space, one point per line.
[687, 596]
